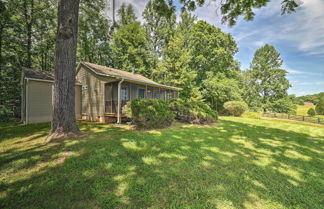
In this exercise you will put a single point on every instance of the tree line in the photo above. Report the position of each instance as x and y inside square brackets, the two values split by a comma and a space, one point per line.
[313, 98]
[188, 53]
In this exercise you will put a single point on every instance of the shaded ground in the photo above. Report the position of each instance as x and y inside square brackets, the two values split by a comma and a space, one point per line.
[239, 163]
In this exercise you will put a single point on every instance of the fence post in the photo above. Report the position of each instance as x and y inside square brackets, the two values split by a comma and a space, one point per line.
[303, 118]
[319, 120]
[288, 116]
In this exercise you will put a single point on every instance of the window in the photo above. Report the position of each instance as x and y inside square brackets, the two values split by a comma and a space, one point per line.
[156, 94]
[141, 93]
[124, 94]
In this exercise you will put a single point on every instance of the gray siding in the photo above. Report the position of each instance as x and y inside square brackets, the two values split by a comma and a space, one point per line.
[38, 104]
[93, 94]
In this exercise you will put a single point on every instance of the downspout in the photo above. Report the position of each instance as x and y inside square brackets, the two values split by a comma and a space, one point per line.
[26, 102]
[22, 95]
[118, 102]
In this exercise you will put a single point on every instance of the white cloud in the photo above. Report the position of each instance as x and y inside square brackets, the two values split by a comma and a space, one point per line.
[303, 30]
[295, 71]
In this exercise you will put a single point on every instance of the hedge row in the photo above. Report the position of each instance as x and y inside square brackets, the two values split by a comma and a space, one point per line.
[155, 113]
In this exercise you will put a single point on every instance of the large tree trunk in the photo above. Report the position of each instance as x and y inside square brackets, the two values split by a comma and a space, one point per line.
[64, 121]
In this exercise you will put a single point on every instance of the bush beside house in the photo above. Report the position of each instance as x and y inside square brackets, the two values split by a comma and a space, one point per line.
[193, 112]
[235, 108]
[149, 113]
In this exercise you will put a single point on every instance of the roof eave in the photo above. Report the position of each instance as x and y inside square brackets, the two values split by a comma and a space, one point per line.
[129, 79]
[44, 80]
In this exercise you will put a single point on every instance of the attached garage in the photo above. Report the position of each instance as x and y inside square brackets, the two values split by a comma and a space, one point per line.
[37, 96]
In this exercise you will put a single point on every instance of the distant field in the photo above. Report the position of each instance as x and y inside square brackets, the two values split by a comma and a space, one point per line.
[302, 110]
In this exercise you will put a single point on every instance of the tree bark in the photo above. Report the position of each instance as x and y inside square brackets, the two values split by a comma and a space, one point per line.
[64, 121]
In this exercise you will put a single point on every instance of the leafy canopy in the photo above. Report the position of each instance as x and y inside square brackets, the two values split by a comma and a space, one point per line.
[130, 49]
[126, 15]
[231, 10]
[265, 82]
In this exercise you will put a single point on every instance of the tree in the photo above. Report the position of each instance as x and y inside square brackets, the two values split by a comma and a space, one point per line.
[64, 122]
[93, 33]
[265, 82]
[130, 49]
[320, 106]
[232, 9]
[311, 112]
[219, 89]
[126, 15]
[282, 105]
[159, 23]
[174, 70]
[213, 50]
[314, 98]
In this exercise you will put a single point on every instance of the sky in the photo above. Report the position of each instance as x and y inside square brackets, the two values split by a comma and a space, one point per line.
[299, 38]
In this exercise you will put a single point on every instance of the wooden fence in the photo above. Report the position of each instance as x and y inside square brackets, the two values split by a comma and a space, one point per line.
[294, 117]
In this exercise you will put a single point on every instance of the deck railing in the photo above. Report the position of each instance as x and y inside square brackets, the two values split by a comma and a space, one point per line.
[304, 118]
[111, 106]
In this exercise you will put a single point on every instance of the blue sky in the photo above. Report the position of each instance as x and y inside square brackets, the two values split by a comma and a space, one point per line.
[299, 37]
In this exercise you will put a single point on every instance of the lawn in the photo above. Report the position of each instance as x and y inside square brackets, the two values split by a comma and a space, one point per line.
[302, 110]
[237, 163]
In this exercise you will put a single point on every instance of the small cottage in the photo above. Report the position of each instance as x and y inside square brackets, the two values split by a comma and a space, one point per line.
[100, 93]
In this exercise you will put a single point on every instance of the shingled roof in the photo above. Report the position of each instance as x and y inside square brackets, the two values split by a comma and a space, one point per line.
[40, 75]
[36, 74]
[120, 74]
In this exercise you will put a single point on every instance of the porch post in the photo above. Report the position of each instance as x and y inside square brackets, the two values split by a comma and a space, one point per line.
[145, 91]
[118, 101]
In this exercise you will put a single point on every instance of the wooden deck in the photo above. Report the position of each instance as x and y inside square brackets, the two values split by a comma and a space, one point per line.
[112, 118]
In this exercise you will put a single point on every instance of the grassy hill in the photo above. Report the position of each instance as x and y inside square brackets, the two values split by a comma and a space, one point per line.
[302, 110]
[237, 163]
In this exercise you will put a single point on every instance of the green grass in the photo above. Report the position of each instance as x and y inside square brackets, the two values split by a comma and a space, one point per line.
[238, 163]
[302, 110]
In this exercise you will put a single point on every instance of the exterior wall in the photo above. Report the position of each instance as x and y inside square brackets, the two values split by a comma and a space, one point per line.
[99, 94]
[38, 105]
[38, 101]
[93, 95]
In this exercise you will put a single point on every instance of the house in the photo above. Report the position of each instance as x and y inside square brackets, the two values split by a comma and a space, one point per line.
[308, 104]
[100, 93]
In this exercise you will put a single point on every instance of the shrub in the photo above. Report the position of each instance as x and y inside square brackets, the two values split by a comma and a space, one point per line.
[320, 106]
[149, 113]
[236, 108]
[311, 112]
[193, 112]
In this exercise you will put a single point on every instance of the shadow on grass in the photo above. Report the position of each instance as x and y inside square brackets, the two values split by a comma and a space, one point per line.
[235, 165]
